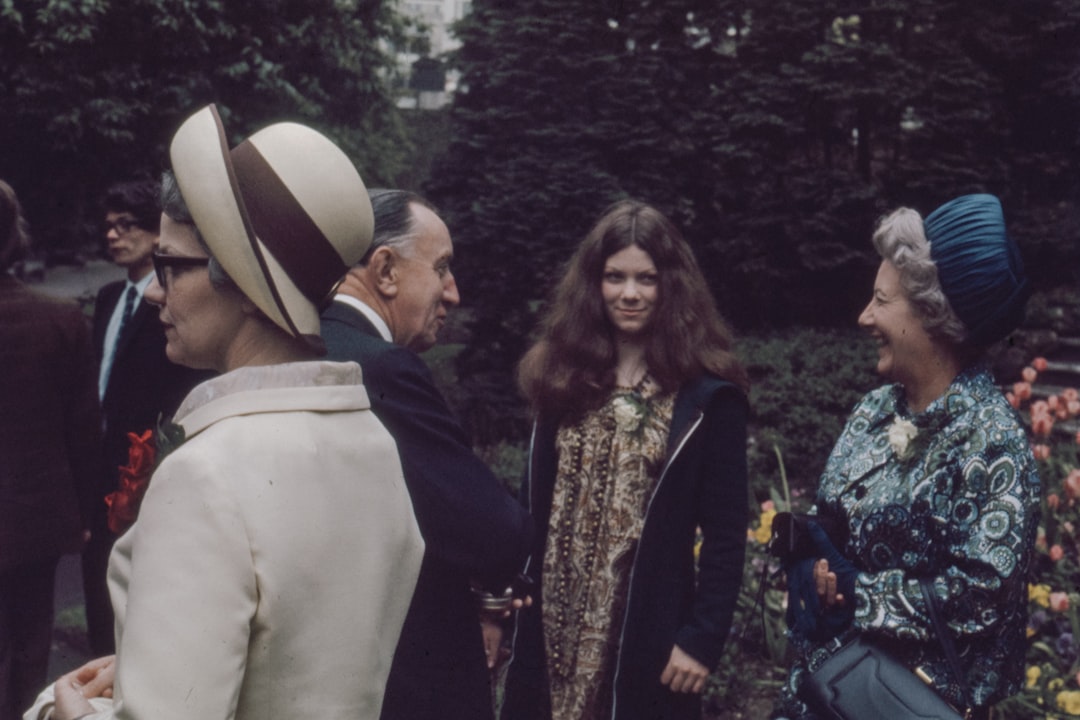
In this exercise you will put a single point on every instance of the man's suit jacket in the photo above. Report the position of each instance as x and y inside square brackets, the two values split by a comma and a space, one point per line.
[49, 425]
[474, 530]
[143, 383]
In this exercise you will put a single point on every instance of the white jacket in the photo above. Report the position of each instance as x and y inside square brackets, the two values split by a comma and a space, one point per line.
[273, 560]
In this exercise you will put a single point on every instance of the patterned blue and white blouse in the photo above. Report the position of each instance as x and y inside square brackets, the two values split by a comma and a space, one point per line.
[958, 502]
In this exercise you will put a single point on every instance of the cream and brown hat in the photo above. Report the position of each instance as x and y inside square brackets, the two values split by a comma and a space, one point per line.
[285, 213]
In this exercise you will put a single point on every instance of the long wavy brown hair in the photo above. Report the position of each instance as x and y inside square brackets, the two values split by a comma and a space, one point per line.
[571, 368]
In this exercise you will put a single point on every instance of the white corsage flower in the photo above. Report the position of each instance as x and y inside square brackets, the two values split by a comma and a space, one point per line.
[901, 433]
[628, 414]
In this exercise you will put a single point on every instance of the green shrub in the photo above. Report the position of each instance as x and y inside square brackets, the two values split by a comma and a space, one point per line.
[804, 383]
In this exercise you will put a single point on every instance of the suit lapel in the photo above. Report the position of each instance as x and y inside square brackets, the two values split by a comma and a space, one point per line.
[106, 306]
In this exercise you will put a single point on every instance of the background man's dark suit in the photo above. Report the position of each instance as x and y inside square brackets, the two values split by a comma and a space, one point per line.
[49, 444]
[143, 383]
[473, 528]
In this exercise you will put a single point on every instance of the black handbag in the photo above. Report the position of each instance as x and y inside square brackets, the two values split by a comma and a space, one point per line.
[863, 682]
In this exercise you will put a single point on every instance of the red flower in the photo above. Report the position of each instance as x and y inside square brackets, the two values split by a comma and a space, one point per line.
[134, 479]
[1022, 390]
[1072, 484]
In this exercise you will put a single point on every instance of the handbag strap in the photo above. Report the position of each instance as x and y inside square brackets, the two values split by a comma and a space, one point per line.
[945, 639]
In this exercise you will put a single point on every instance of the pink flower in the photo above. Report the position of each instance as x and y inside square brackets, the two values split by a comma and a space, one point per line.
[1013, 400]
[1073, 406]
[1056, 552]
[1078, 437]
[1053, 501]
[1041, 425]
[1052, 402]
[1059, 601]
[768, 505]
[1072, 484]
[1041, 452]
[1022, 390]
[1029, 374]
[1070, 394]
[1039, 363]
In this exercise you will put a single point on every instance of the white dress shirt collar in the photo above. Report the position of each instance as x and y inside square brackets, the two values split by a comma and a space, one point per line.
[367, 311]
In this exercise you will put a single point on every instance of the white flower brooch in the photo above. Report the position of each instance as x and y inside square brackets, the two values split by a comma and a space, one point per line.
[901, 433]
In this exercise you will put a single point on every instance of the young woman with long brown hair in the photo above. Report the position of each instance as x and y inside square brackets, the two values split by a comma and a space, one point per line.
[639, 443]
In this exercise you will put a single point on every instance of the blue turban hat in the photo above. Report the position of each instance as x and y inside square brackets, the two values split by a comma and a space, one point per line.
[978, 266]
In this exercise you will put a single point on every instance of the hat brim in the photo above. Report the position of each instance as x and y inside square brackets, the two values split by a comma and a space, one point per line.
[203, 168]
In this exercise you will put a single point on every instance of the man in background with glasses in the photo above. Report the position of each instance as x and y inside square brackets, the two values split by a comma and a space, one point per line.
[136, 381]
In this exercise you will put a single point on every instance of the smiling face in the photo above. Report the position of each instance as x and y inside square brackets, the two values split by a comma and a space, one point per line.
[130, 246]
[630, 289]
[904, 346]
[426, 289]
[201, 322]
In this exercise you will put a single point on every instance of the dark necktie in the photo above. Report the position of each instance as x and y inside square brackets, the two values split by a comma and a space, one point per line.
[129, 310]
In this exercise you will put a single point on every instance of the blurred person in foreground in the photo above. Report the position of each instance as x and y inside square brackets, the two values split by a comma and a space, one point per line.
[49, 438]
[639, 444]
[390, 307]
[933, 476]
[275, 549]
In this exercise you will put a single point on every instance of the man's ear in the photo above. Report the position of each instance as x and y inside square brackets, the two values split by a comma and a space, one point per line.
[384, 267]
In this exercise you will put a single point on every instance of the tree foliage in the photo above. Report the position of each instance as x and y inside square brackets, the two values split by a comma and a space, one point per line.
[774, 134]
[92, 90]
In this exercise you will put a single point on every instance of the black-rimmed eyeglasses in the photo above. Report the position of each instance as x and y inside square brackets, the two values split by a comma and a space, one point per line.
[163, 262]
[122, 226]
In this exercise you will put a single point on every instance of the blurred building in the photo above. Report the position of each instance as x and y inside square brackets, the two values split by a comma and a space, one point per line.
[428, 85]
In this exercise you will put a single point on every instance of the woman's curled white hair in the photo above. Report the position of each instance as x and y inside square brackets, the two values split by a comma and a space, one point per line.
[901, 240]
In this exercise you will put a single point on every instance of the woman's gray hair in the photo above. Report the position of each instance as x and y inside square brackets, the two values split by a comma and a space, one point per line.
[173, 205]
[901, 240]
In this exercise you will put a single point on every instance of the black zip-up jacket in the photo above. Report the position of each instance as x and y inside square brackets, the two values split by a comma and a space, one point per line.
[704, 485]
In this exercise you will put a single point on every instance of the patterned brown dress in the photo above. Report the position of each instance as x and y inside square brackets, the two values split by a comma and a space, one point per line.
[609, 463]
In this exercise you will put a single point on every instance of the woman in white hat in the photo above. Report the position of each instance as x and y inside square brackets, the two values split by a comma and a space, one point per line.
[275, 551]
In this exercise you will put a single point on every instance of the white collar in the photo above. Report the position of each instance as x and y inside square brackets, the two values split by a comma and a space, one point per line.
[369, 312]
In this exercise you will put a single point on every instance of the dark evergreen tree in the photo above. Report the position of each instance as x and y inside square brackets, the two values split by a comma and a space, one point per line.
[91, 91]
[774, 134]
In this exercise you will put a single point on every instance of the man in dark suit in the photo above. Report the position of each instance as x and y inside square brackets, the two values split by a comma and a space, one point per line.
[136, 381]
[390, 307]
[49, 444]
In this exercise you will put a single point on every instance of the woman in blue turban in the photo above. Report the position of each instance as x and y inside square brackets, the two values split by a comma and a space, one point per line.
[933, 477]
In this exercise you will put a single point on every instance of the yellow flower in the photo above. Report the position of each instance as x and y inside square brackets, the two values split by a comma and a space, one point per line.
[764, 530]
[1055, 684]
[1069, 701]
[1039, 594]
[1033, 673]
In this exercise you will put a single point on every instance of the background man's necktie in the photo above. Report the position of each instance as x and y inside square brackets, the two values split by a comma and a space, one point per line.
[129, 310]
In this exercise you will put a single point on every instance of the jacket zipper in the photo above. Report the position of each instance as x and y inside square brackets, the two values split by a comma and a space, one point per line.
[622, 630]
[630, 586]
